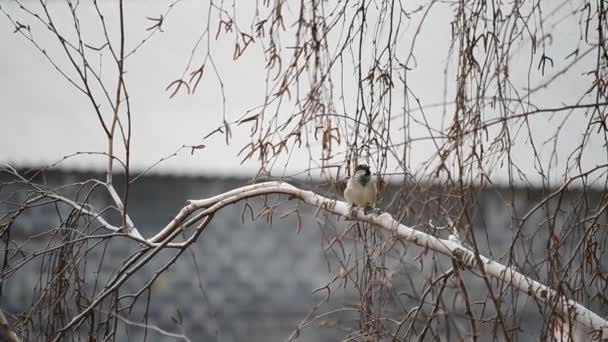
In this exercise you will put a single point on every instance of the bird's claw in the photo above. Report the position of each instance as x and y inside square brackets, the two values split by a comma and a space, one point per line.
[375, 211]
[351, 212]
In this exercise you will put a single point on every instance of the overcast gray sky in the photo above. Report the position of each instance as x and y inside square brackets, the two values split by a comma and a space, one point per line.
[44, 118]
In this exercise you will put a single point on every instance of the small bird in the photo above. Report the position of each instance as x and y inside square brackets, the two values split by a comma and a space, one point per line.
[361, 189]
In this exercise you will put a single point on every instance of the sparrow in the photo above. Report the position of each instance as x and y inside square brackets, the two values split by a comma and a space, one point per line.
[361, 189]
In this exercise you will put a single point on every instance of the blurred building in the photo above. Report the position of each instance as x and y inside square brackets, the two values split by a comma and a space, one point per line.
[249, 280]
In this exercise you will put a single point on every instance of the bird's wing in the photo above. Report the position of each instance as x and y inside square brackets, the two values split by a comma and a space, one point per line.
[347, 193]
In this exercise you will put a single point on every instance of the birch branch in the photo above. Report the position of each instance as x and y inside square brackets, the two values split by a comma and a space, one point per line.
[205, 209]
[130, 228]
[448, 247]
[82, 208]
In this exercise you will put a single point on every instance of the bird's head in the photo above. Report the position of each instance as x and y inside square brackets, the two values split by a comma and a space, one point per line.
[362, 173]
[362, 169]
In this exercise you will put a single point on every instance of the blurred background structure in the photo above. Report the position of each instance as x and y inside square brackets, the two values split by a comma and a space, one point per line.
[253, 280]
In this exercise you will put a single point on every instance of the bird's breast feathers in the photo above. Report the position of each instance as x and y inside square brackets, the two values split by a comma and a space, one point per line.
[360, 195]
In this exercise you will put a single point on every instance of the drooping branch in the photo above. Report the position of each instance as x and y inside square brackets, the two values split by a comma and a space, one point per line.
[449, 247]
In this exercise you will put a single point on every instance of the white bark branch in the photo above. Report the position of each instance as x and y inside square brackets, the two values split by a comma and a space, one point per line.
[130, 228]
[206, 208]
[84, 211]
[153, 327]
[453, 249]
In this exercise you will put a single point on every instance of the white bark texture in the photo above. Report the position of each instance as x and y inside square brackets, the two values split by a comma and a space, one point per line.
[568, 308]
